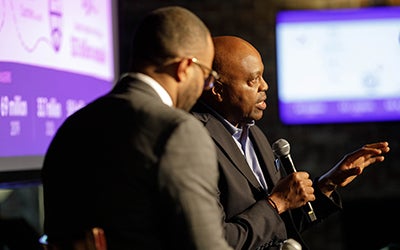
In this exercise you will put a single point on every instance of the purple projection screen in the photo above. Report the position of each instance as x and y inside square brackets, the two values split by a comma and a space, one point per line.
[56, 56]
[338, 66]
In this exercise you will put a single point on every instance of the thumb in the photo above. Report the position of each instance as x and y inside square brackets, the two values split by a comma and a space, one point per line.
[354, 171]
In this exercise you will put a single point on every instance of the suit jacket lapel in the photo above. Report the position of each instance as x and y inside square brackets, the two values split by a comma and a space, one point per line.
[266, 156]
[219, 134]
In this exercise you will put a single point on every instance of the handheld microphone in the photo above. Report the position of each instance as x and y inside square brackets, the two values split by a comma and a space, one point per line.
[281, 149]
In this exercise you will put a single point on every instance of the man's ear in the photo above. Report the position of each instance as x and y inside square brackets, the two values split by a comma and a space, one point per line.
[182, 69]
[217, 91]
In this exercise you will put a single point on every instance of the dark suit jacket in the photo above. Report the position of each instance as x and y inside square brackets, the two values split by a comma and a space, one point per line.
[251, 222]
[143, 171]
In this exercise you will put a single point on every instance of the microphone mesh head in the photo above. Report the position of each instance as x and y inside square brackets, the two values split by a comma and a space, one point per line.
[281, 148]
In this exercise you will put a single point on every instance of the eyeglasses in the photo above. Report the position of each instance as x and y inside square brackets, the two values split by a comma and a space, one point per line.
[212, 76]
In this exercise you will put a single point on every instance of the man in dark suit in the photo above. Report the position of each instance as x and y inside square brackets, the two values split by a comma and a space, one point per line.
[263, 206]
[134, 162]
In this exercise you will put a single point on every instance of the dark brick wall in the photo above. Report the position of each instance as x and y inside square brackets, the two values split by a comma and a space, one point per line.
[315, 148]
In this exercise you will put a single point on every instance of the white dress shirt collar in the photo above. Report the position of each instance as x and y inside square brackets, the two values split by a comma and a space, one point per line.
[165, 97]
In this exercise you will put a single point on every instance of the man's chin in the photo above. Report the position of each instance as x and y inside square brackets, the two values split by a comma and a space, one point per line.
[258, 115]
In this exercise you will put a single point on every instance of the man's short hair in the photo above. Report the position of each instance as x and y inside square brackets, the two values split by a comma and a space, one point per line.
[166, 33]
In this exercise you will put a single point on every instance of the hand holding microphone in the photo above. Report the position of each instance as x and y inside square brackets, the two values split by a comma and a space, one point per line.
[296, 183]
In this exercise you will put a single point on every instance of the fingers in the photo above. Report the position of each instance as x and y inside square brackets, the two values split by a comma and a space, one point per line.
[293, 191]
[382, 146]
[355, 163]
[378, 145]
[370, 153]
[302, 187]
[301, 175]
[354, 171]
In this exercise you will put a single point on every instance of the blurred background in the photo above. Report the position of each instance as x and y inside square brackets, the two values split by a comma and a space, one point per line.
[371, 203]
